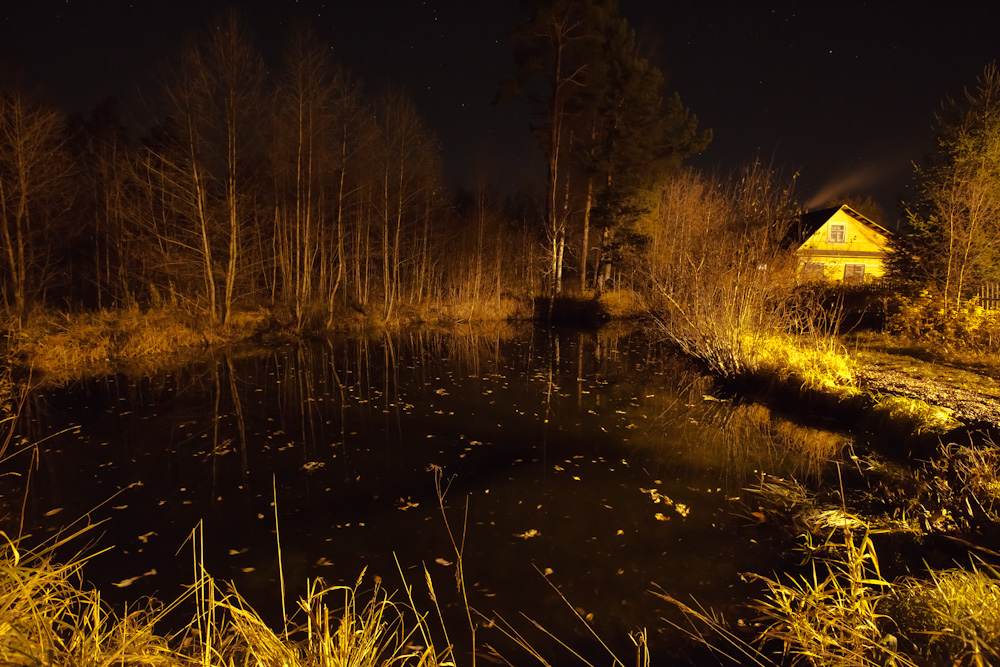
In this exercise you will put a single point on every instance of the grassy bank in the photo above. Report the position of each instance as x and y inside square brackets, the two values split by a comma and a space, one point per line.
[98, 342]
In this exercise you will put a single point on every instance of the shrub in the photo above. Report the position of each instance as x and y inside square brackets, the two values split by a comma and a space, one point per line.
[923, 317]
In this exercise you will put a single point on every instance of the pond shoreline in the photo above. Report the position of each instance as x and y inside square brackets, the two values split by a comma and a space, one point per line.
[56, 349]
[858, 412]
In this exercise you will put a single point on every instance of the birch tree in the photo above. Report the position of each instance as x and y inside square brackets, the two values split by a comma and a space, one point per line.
[954, 238]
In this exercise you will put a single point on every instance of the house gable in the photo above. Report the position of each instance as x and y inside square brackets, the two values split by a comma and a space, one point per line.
[840, 244]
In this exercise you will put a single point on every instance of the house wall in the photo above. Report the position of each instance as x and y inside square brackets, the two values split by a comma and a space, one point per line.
[840, 241]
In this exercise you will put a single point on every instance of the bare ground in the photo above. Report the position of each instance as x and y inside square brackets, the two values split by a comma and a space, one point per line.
[973, 394]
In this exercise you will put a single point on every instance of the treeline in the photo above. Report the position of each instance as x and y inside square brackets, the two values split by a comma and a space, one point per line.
[285, 186]
[289, 185]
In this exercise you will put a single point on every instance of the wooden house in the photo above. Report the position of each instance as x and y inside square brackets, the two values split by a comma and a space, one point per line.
[837, 244]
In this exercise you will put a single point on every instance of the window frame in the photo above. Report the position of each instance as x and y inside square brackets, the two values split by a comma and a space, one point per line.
[857, 274]
[840, 227]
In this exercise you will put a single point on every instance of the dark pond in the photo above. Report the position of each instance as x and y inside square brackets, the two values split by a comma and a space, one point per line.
[589, 463]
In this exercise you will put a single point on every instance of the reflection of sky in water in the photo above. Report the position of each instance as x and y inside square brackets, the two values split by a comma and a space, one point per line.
[581, 457]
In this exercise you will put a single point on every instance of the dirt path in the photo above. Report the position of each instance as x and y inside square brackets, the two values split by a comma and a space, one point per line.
[970, 406]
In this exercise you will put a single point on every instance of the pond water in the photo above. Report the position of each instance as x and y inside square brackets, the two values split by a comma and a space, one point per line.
[585, 466]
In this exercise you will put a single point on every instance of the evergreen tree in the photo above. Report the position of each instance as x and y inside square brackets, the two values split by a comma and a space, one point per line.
[607, 133]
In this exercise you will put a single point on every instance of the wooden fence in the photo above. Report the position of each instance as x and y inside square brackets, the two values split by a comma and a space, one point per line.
[989, 296]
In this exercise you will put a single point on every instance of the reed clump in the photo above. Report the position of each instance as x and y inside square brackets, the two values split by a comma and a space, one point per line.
[952, 618]
[49, 617]
[815, 364]
[832, 615]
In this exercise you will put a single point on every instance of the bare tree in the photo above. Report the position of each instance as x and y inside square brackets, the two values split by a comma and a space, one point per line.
[217, 101]
[955, 234]
[32, 164]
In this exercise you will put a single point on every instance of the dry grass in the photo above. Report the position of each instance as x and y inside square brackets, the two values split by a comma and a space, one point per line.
[953, 617]
[461, 311]
[62, 344]
[831, 616]
[815, 363]
[624, 304]
[47, 617]
[913, 415]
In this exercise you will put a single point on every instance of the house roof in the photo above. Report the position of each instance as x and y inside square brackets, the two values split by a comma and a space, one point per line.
[810, 223]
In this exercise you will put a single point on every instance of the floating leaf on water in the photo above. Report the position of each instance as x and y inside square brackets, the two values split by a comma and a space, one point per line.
[528, 534]
[238, 552]
[577, 478]
[682, 509]
[661, 517]
[558, 469]
[54, 512]
[547, 571]
[145, 538]
[442, 561]
[247, 570]
[309, 466]
[124, 583]
[620, 532]
[120, 507]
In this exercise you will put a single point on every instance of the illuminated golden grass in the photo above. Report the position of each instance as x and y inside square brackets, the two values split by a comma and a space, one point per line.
[814, 364]
[63, 344]
[624, 304]
[953, 617]
[467, 310]
[47, 617]
[832, 615]
[914, 415]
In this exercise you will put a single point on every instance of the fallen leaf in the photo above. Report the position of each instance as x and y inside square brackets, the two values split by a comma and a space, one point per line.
[54, 512]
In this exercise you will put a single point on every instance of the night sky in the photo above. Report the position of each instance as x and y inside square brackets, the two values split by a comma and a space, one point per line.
[843, 93]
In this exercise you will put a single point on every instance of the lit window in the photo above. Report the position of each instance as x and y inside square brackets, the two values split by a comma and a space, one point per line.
[838, 233]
